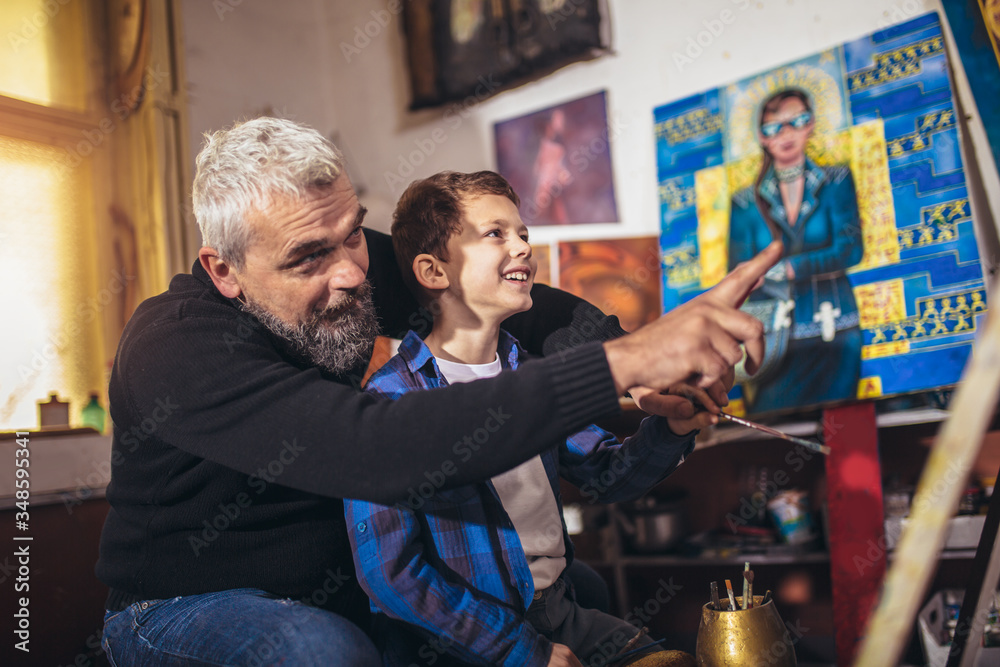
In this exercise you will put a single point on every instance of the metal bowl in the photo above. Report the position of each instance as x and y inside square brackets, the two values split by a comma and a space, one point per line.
[652, 526]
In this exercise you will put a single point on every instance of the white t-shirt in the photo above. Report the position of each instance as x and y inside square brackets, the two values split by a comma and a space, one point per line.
[525, 493]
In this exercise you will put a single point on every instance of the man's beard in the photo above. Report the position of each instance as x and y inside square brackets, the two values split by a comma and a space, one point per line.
[337, 339]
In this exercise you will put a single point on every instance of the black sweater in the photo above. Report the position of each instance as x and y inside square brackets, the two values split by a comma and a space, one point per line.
[230, 454]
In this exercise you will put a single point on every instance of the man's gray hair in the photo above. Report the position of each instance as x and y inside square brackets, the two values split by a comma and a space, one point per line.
[242, 168]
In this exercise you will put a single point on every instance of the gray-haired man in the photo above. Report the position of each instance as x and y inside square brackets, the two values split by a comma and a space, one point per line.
[225, 543]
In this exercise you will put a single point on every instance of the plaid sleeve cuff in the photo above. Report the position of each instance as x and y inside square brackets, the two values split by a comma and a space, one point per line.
[659, 445]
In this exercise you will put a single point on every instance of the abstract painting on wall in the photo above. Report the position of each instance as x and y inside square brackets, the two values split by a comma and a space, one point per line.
[543, 257]
[852, 158]
[619, 276]
[558, 160]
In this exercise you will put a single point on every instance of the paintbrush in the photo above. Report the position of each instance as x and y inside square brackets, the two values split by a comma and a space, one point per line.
[815, 446]
[732, 598]
[767, 598]
[716, 605]
[748, 581]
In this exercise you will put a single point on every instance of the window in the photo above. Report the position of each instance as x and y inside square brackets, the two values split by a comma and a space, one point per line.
[85, 182]
[45, 55]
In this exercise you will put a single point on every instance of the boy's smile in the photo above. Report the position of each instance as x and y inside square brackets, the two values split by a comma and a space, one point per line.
[490, 266]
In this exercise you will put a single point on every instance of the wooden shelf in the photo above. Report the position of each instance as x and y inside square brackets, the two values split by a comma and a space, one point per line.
[74, 465]
[669, 560]
[755, 559]
[715, 481]
[947, 554]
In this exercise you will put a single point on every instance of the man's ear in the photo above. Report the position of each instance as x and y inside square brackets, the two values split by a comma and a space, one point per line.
[429, 272]
[220, 271]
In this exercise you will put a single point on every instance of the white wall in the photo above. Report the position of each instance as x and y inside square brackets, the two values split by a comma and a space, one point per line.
[246, 56]
[363, 92]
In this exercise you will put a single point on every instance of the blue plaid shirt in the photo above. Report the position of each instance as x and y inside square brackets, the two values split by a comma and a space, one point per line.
[449, 564]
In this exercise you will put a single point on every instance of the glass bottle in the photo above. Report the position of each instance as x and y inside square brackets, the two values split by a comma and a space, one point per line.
[93, 414]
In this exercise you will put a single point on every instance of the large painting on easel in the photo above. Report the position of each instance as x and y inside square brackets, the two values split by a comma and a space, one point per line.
[851, 157]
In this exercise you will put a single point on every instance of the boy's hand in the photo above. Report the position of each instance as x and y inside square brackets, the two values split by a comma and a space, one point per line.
[698, 342]
[563, 657]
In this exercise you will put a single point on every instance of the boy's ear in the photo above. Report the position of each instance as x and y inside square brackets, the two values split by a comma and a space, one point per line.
[429, 272]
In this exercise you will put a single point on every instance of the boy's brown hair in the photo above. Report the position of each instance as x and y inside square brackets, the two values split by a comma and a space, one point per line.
[430, 212]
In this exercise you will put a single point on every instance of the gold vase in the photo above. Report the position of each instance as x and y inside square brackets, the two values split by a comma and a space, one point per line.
[741, 638]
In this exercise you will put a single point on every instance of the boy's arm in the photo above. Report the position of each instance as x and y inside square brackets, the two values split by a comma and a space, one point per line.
[391, 567]
[636, 465]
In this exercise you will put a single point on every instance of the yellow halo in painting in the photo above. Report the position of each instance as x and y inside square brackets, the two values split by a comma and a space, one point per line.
[822, 89]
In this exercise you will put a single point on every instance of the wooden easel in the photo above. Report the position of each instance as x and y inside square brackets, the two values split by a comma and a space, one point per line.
[935, 501]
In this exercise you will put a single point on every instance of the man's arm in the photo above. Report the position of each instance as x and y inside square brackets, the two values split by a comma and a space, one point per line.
[388, 556]
[204, 381]
[223, 392]
[558, 321]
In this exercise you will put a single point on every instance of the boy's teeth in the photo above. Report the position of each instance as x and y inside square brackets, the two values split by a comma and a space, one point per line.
[517, 276]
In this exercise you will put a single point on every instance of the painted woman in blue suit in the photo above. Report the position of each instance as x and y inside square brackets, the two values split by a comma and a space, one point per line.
[816, 348]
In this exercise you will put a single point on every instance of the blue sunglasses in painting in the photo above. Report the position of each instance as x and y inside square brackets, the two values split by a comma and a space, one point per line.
[772, 129]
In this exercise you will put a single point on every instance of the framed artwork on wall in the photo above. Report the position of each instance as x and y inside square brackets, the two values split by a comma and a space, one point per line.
[543, 257]
[467, 50]
[619, 276]
[558, 160]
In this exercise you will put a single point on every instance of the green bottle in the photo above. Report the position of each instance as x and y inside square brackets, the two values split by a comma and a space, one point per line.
[93, 414]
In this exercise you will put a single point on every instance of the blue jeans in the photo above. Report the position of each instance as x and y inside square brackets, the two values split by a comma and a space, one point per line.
[245, 627]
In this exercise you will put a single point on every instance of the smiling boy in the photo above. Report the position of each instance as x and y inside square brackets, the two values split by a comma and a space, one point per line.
[475, 574]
